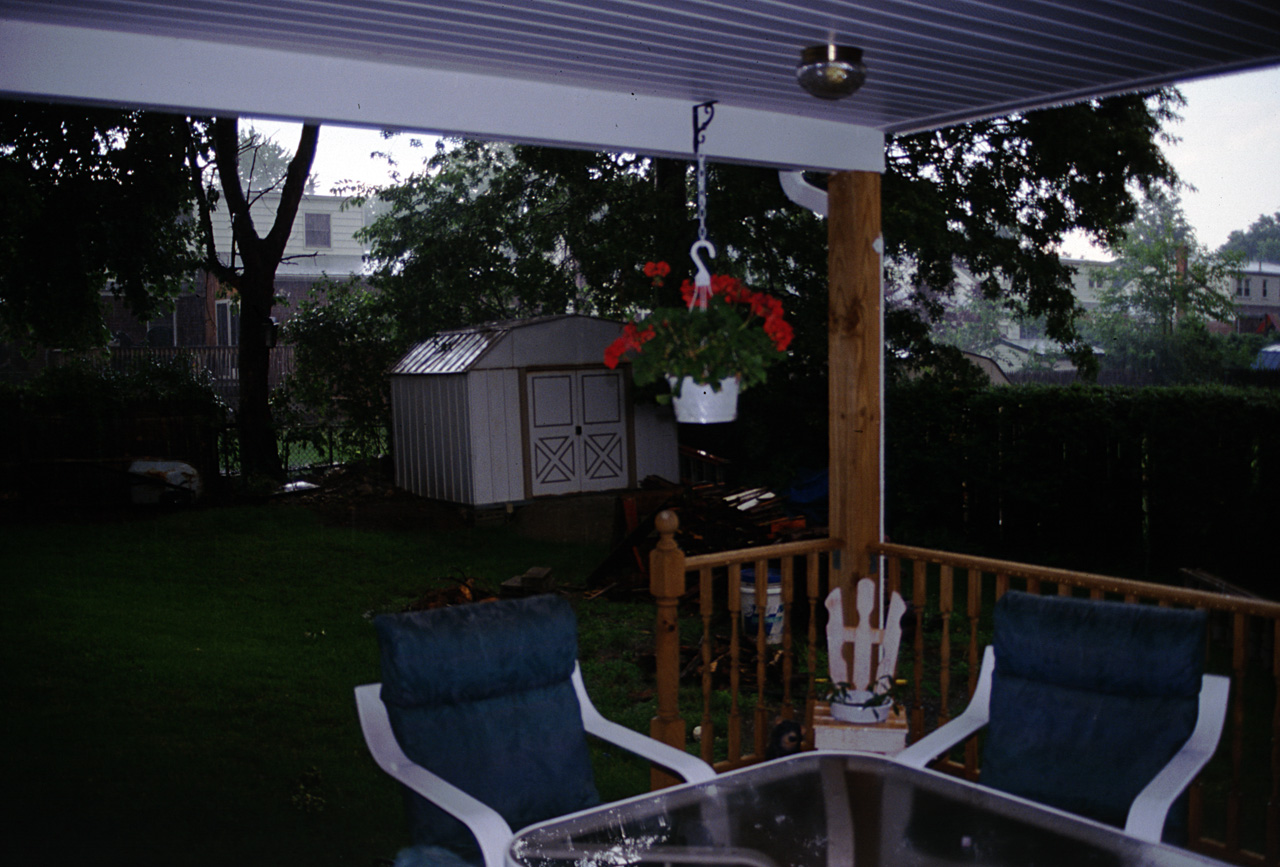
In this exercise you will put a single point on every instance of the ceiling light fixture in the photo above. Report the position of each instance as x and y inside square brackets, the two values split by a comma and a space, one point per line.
[831, 71]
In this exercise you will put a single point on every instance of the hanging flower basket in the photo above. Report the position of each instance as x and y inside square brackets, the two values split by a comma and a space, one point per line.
[721, 350]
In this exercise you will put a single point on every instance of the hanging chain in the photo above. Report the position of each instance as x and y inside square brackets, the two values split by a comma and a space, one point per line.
[702, 197]
[702, 277]
[699, 137]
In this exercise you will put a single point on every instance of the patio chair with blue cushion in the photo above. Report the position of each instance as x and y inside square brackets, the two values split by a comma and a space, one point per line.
[483, 717]
[1097, 708]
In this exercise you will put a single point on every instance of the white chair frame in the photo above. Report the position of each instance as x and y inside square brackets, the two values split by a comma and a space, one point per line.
[489, 828]
[1150, 808]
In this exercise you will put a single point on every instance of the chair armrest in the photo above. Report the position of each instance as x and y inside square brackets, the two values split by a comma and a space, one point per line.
[973, 718]
[691, 768]
[1148, 811]
[488, 827]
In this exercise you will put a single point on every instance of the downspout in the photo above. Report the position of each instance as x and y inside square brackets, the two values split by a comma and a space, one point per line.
[803, 193]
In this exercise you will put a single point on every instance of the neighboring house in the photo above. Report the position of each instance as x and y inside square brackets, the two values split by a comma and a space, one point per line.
[1091, 276]
[322, 243]
[1257, 295]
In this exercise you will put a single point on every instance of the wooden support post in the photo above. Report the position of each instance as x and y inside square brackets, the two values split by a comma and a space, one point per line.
[855, 347]
[666, 583]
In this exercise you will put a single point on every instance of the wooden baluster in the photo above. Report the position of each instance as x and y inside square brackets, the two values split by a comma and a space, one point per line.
[788, 663]
[761, 725]
[1237, 732]
[919, 597]
[666, 583]
[946, 604]
[974, 587]
[811, 578]
[893, 574]
[1033, 586]
[1002, 584]
[735, 661]
[707, 609]
[1273, 803]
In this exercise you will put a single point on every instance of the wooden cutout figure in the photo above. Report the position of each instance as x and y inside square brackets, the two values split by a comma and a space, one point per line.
[864, 639]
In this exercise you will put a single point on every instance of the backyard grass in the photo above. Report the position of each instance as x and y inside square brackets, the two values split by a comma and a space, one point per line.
[178, 685]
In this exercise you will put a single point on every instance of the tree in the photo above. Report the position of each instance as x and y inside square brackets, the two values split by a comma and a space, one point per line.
[1261, 243]
[254, 281]
[102, 198]
[263, 164]
[489, 231]
[1164, 275]
[973, 327]
[493, 231]
[91, 200]
[344, 343]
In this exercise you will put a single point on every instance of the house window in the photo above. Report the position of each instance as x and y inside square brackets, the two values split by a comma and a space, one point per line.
[163, 331]
[228, 316]
[317, 230]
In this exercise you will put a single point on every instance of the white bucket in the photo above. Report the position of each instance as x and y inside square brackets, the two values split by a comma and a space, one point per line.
[773, 607]
[702, 404]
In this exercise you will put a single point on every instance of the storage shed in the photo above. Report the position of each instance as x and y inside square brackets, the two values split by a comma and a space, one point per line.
[509, 411]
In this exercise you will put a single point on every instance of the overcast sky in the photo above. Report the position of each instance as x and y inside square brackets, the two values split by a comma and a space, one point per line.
[1230, 152]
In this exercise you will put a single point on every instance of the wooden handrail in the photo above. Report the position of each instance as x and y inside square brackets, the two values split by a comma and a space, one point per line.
[1087, 580]
[770, 552]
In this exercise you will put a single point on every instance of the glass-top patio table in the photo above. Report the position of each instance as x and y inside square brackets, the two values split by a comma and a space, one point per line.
[827, 809]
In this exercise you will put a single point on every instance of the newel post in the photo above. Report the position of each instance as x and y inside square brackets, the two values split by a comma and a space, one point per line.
[666, 583]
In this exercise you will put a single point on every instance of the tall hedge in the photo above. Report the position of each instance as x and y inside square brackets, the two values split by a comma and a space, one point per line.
[1133, 482]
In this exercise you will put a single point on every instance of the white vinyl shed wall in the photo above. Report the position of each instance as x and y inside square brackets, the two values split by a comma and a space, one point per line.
[463, 413]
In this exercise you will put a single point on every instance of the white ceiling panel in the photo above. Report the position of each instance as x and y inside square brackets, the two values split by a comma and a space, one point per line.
[623, 74]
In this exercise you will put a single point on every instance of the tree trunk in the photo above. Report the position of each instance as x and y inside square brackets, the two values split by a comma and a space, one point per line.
[261, 257]
[258, 452]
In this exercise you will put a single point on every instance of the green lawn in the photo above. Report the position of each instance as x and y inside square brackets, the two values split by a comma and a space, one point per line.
[178, 686]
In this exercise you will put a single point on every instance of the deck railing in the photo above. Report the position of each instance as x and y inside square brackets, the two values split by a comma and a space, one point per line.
[732, 685]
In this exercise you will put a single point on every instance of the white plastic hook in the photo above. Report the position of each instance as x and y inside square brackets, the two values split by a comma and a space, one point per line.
[701, 276]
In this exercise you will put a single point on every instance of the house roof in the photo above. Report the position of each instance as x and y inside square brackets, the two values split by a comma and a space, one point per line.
[623, 74]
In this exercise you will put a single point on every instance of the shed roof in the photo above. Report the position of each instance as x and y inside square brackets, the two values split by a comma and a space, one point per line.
[540, 340]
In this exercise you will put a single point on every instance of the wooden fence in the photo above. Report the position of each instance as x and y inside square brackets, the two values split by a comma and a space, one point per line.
[221, 362]
[734, 685]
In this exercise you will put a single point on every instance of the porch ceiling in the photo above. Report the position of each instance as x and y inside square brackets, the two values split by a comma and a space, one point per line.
[622, 74]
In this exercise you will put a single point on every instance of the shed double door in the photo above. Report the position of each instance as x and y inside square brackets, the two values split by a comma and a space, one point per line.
[577, 431]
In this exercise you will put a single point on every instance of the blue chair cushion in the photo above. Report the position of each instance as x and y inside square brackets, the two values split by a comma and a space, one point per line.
[1089, 700]
[481, 695]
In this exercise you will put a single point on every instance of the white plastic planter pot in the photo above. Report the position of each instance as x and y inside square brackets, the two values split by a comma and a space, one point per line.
[701, 404]
[853, 711]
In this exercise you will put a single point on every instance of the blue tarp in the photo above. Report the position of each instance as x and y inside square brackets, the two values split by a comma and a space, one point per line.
[1268, 358]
